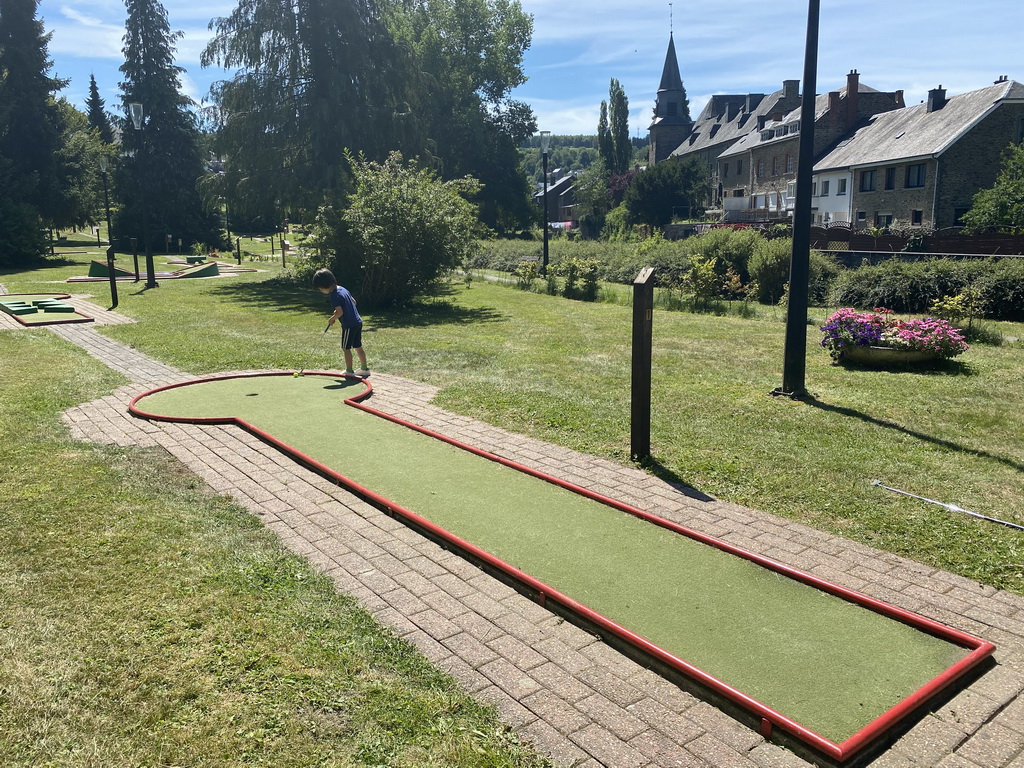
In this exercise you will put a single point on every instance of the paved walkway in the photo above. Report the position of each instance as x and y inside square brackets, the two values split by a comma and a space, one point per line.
[575, 698]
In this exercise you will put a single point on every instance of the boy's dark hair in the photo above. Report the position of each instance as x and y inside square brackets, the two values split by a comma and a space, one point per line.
[324, 278]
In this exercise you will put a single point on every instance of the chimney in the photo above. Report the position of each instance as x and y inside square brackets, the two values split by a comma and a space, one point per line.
[833, 107]
[899, 98]
[1002, 79]
[761, 120]
[852, 97]
[936, 99]
[790, 89]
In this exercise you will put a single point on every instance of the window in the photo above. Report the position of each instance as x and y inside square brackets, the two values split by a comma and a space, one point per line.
[867, 181]
[739, 167]
[915, 176]
[760, 167]
[814, 189]
[765, 135]
[883, 219]
[790, 164]
[824, 188]
[916, 217]
[841, 188]
[725, 170]
[890, 178]
[739, 193]
[775, 165]
[795, 127]
[862, 215]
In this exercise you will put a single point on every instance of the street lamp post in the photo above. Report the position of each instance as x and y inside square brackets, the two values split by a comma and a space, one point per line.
[545, 139]
[110, 238]
[794, 361]
[137, 122]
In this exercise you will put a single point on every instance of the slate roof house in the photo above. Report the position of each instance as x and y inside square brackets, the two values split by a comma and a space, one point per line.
[767, 156]
[877, 161]
[922, 165]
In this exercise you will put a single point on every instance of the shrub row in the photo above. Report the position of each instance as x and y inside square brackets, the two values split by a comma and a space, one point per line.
[763, 264]
[912, 286]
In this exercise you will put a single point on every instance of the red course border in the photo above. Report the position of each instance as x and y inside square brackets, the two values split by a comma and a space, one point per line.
[980, 649]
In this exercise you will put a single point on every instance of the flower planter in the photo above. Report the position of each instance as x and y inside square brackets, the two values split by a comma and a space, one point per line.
[861, 353]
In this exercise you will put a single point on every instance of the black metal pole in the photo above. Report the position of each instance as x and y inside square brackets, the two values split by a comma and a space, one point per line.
[640, 400]
[794, 365]
[110, 247]
[135, 256]
[544, 262]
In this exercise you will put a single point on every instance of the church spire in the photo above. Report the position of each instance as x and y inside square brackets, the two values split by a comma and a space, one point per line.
[670, 79]
[672, 124]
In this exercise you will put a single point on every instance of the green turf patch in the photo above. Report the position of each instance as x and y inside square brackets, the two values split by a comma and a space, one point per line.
[822, 661]
[100, 269]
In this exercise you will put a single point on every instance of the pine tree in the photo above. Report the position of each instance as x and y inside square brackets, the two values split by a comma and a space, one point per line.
[98, 117]
[165, 155]
[29, 130]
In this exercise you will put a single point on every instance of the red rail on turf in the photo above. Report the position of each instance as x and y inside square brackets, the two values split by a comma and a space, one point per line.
[770, 718]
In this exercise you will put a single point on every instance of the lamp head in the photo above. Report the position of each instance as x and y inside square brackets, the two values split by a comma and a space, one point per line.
[136, 114]
[103, 163]
[545, 141]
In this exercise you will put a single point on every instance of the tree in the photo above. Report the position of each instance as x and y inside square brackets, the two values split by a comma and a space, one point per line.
[313, 77]
[653, 194]
[77, 196]
[467, 58]
[613, 130]
[98, 117]
[402, 229]
[29, 131]
[164, 156]
[1002, 206]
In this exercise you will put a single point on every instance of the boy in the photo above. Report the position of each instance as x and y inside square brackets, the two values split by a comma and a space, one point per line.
[351, 323]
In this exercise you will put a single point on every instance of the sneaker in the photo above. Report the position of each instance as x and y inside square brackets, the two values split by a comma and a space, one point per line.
[363, 373]
[348, 372]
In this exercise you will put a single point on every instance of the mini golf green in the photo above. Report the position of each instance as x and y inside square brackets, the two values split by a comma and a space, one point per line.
[822, 662]
[41, 309]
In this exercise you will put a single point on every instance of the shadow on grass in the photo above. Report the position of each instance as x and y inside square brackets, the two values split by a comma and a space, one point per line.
[53, 262]
[279, 294]
[941, 367]
[853, 413]
[669, 476]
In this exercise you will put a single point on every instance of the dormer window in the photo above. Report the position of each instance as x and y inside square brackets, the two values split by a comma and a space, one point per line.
[765, 135]
[795, 127]
[781, 131]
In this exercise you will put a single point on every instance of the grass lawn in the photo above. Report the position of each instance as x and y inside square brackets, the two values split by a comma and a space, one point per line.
[170, 629]
[560, 370]
[147, 622]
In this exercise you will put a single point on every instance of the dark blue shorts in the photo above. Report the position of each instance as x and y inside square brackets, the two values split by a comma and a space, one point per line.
[352, 338]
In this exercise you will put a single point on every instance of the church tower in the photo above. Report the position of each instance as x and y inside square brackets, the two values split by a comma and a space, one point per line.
[672, 123]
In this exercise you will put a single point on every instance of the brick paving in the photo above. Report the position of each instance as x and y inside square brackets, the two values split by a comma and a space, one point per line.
[579, 701]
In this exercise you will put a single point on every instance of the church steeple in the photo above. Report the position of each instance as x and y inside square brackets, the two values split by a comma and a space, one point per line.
[672, 123]
[670, 79]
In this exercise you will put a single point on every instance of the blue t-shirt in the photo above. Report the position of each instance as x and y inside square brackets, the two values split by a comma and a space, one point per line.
[350, 318]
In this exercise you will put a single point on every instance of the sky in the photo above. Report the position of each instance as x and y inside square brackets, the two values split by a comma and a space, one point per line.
[740, 46]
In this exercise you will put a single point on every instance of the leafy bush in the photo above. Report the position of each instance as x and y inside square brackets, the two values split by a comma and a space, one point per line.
[913, 286]
[581, 278]
[733, 248]
[403, 229]
[769, 268]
